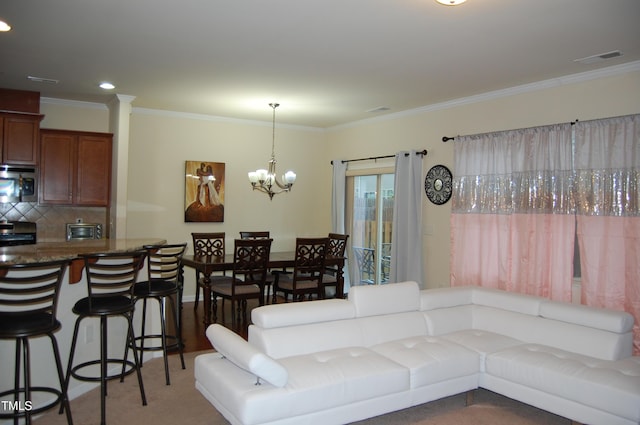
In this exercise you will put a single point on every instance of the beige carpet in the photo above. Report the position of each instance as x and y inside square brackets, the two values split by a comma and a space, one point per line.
[182, 403]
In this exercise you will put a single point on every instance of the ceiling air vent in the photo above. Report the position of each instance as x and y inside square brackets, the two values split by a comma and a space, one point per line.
[379, 109]
[599, 58]
[42, 80]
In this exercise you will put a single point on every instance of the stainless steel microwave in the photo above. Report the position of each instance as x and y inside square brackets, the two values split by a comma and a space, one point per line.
[80, 231]
[18, 184]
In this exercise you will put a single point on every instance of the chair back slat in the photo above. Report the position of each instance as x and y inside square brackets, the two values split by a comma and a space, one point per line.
[208, 244]
[255, 235]
[251, 261]
[31, 288]
[164, 262]
[337, 245]
[112, 274]
[310, 259]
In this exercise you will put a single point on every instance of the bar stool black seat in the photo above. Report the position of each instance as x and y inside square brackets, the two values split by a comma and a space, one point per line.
[164, 284]
[28, 302]
[110, 280]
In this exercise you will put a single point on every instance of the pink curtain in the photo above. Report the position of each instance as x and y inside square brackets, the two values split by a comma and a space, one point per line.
[607, 167]
[610, 255]
[512, 222]
[518, 196]
[518, 252]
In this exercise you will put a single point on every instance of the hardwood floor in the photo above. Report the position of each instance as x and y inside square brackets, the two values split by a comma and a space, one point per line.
[193, 329]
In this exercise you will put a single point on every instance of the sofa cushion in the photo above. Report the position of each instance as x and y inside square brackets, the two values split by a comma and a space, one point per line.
[611, 386]
[333, 378]
[482, 342]
[430, 359]
[245, 356]
[376, 300]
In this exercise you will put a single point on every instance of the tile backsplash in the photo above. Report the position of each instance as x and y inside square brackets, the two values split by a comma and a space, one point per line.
[51, 220]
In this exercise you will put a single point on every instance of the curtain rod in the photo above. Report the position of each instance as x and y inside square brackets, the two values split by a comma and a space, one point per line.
[422, 152]
[445, 139]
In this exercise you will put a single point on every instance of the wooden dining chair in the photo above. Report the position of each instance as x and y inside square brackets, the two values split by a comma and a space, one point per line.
[250, 263]
[210, 245]
[308, 271]
[261, 234]
[337, 247]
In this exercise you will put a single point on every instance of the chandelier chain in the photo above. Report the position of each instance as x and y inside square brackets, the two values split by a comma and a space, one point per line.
[266, 181]
[273, 130]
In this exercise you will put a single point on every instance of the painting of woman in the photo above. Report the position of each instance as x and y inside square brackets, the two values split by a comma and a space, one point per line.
[204, 191]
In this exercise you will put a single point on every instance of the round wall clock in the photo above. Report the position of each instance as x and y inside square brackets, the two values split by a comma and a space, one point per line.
[438, 184]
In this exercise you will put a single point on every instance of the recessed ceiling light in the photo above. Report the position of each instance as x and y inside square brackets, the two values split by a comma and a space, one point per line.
[4, 27]
[107, 85]
[451, 2]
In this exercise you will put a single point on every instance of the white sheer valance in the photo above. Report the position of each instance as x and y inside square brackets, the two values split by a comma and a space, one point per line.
[607, 167]
[518, 171]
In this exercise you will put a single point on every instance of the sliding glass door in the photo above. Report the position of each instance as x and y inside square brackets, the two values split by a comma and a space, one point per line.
[371, 227]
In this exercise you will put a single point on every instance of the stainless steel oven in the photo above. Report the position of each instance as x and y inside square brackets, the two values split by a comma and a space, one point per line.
[17, 233]
[80, 231]
[18, 184]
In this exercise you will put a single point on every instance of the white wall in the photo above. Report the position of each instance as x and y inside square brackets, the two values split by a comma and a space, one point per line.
[160, 143]
[547, 103]
[159, 146]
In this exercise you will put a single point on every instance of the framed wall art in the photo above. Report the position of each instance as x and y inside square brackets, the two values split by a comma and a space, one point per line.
[204, 191]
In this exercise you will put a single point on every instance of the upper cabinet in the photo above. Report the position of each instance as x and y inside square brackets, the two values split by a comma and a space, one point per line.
[19, 138]
[19, 126]
[75, 168]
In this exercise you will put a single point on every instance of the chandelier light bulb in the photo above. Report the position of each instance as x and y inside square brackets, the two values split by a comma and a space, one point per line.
[265, 180]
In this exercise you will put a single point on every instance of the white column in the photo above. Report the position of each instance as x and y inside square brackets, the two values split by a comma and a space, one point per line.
[119, 117]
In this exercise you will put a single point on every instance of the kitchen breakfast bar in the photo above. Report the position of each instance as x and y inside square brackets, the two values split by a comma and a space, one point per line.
[73, 288]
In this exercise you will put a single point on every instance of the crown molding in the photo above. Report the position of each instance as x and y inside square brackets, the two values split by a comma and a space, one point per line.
[525, 88]
[512, 91]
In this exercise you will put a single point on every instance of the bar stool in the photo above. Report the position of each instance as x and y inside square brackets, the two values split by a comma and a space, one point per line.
[110, 280]
[28, 302]
[165, 282]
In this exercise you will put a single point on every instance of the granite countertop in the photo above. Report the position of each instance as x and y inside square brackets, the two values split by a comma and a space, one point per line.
[50, 251]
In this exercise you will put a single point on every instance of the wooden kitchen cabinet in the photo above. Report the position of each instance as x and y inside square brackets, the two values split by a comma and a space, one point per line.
[19, 138]
[75, 168]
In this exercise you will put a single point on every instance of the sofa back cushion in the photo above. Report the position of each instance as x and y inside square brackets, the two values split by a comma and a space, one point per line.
[377, 300]
[600, 333]
[445, 320]
[291, 329]
[599, 318]
[505, 300]
[294, 340]
[391, 327]
[433, 299]
[279, 315]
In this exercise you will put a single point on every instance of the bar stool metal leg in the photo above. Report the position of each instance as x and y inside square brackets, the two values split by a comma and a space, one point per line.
[28, 303]
[110, 280]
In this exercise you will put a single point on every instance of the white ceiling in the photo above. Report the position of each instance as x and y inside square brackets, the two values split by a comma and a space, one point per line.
[326, 62]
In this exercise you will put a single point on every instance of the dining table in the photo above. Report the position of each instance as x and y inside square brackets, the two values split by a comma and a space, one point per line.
[208, 264]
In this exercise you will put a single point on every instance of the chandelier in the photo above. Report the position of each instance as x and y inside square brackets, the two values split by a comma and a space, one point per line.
[266, 180]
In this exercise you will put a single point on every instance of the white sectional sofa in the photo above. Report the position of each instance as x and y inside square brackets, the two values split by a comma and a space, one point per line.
[393, 346]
